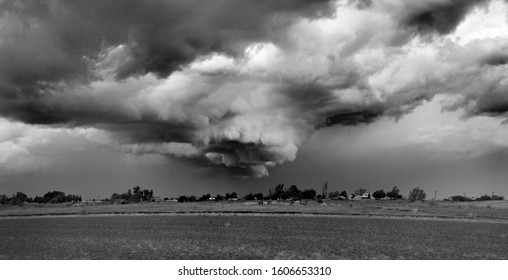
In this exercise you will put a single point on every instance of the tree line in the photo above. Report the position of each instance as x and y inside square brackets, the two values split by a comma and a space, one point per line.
[484, 197]
[50, 197]
[135, 196]
[280, 192]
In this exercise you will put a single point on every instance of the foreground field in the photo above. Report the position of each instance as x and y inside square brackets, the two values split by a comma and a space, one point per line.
[249, 237]
[481, 210]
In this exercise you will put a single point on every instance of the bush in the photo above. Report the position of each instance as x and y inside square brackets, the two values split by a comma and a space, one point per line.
[379, 194]
[459, 198]
[417, 194]
[487, 197]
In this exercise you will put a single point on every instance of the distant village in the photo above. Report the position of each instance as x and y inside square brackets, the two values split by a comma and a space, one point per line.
[290, 194]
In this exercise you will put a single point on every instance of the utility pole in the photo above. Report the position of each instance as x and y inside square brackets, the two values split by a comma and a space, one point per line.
[435, 195]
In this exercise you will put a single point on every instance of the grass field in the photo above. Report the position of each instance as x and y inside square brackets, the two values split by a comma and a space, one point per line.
[490, 210]
[249, 237]
[247, 230]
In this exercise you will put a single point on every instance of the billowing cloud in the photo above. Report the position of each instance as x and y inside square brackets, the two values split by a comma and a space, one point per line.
[240, 84]
[441, 16]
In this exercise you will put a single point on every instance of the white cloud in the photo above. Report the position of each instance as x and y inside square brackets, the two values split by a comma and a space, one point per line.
[447, 134]
[172, 148]
[483, 23]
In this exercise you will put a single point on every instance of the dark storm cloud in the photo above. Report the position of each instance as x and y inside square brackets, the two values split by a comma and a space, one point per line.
[47, 43]
[495, 59]
[355, 117]
[492, 103]
[438, 16]
[237, 84]
[361, 4]
[47, 40]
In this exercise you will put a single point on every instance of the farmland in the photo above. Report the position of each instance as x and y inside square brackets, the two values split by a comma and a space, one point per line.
[477, 210]
[249, 237]
[248, 230]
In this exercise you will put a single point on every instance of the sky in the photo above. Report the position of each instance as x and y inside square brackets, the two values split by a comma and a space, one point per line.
[192, 97]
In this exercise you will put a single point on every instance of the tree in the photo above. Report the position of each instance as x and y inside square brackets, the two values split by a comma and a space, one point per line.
[249, 196]
[135, 198]
[279, 192]
[136, 189]
[18, 199]
[219, 197]
[360, 191]
[417, 194]
[145, 194]
[293, 192]
[308, 194]
[334, 195]
[183, 198]
[73, 198]
[115, 197]
[39, 199]
[21, 196]
[459, 198]
[3, 199]
[344, 194]
[259, 196]
[379, 194]
[54, 197]
[205, 197]
[394, 193]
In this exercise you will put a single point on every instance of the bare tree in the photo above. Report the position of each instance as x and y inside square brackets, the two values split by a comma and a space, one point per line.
[417, 194]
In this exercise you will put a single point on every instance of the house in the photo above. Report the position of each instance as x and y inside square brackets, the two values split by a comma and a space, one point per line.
[366, 196]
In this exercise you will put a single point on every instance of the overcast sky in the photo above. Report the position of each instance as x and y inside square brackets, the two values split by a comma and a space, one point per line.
[193, 97]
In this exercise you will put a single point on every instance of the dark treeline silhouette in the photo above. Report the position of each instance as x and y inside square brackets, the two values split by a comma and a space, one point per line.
[280, 192]
[277, 193]
[208, 197]
[50, 197]
[291, 193]
[484, 197]
[394, 194]
[135, 196]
